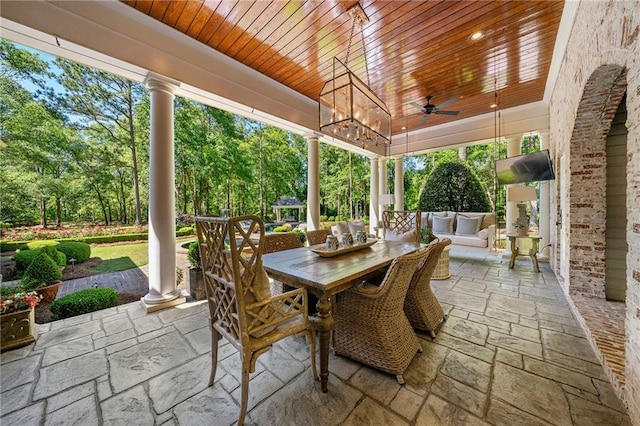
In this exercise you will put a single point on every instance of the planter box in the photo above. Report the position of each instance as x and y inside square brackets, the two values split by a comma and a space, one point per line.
[17, 329]
[195, 284]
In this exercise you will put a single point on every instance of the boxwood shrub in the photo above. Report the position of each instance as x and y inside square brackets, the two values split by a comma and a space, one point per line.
[59, 257]
[84, 301]
[77, 250]
[42, 272]
[193, 255]
[33, 245]
[23, 259]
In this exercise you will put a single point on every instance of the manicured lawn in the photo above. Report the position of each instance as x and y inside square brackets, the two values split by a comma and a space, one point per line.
[120, 257]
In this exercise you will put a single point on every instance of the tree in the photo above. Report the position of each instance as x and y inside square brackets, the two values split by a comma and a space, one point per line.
[453, 186]
[106, 102]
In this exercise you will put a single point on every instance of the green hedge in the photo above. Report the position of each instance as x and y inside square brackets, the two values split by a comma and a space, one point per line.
[77, 250]
[57, 256]
[84, 301]
[142, 236]
[33, 245]
[23, 259]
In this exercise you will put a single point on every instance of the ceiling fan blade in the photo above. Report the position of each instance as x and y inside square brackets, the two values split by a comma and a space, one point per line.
[448, 102]
[420, 107]
[424, 119]
[447, 112]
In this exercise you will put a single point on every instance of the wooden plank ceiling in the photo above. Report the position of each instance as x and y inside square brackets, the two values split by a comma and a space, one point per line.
[413, 49]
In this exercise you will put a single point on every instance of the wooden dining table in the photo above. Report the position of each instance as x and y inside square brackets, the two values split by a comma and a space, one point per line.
[327, 276]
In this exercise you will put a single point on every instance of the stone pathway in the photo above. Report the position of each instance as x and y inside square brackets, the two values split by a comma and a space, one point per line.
[511, 353]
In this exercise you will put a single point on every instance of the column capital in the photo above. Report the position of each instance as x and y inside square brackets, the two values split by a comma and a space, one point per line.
[398, 157]
[161, 83]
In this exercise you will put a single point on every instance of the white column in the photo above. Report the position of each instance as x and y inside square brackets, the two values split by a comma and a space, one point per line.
[383, 188]
[513, 149]
[545, 209]
[399, 184]
[373, 196]
[313, 183]
[162, 225]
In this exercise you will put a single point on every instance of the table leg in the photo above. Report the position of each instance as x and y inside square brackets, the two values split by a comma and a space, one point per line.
[514, 252]
[534, 254]
[324, 325]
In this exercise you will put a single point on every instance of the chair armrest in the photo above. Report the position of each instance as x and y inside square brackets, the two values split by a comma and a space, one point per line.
[278, 309]
[366, 290]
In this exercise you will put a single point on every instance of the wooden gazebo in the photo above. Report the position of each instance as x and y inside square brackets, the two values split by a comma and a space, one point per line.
[287, 203]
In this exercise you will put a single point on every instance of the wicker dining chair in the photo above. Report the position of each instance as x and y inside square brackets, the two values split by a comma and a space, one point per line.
[318, 236]
[421, 306]
[241, 308]
[402, 225]
[279, 241]
[370, 324]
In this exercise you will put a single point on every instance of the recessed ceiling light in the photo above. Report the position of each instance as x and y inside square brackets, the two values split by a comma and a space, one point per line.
[403, 128]
[493, 105]
[477, 35]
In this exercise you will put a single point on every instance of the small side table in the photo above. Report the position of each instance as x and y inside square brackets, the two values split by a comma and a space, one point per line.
[533, 252]
[442, 267]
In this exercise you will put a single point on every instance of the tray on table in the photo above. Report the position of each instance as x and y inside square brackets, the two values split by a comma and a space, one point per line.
[321, 250]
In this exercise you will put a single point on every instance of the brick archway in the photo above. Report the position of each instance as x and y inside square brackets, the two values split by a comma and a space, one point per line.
[587, 187]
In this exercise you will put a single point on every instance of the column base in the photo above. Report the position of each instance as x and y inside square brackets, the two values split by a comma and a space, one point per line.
[153, 303]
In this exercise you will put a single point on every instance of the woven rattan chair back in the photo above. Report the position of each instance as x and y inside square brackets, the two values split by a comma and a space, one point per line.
[278, 241]
[370, 324]
[230, 249]
[421, 306]
[318, 236]
[402, 221]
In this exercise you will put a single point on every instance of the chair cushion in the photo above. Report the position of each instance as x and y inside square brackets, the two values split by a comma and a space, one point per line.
[442, 225]
[408, 237]
[355, 226]
[468, 225]
[483, 233]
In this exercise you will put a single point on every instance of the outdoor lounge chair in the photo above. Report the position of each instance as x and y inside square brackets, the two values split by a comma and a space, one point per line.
[370, 324]
[421, 306]
[241, 308]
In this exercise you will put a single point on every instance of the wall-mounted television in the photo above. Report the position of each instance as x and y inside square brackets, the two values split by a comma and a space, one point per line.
[525, 168]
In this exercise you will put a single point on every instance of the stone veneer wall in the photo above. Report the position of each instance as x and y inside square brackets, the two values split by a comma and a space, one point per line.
[603, 56]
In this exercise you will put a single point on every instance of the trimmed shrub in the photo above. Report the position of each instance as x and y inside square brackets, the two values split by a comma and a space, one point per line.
[59, 257]
[301, 235]
[453, 186]
[81, 252]
[193, 255]
[23, 259]
[84, 301]
[42, 272]
[33, 245]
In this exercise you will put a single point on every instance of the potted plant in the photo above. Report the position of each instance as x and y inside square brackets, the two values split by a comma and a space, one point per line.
[17, 325]
[43, 276]
[195, 278]
[522, 226]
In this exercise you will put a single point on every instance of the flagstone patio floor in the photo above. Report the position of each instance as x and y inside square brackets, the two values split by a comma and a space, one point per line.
[511, 353]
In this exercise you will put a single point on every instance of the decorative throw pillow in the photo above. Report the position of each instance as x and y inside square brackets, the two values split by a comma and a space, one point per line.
[407, 237]
[442, 225]
[483, 233]
[431, 216]
[468, 225]
[355, 226]
[342, 227]
[261, 291]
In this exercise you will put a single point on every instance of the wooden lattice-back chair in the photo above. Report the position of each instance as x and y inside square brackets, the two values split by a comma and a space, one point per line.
[401, 225]
[421, 306]
[370, 325]
[318, 236]
[278, 241]
[241, 308]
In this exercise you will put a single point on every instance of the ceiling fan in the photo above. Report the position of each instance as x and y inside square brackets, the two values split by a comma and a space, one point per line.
[429, 108]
